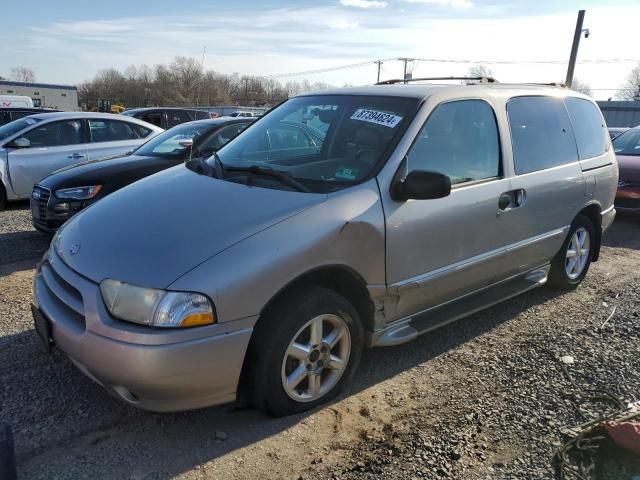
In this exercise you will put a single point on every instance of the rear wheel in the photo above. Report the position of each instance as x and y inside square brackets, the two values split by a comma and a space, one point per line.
[571, 263]
[306, 351]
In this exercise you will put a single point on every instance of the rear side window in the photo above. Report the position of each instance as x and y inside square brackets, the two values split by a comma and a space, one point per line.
[459, 139]
[176, 117]
[541, 133]
[141, 132]
[111, 131]
[154, 118]
[55, 134]
[588, 126]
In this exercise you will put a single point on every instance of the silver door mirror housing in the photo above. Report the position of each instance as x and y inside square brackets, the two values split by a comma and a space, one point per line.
[21, 143]
[422, 185]
[186, 143]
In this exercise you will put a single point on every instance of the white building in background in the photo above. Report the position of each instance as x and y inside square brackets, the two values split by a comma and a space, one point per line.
[60, 97]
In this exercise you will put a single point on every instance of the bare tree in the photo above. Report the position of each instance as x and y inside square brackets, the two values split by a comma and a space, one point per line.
[480, 70]
[184, 83]
[582, 87]
[23, 74]
[631, 88]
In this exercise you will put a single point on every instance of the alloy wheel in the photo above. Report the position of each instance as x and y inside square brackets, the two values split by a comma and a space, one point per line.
[316, 358]
[577, 254]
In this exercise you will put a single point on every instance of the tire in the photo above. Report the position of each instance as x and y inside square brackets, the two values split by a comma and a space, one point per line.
[3, 197]
[317, 374]
[567, 274]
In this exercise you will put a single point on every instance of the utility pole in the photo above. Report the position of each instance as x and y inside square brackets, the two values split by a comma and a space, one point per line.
[246, 91]
[406, 60]
[574, 48]
[379, 62]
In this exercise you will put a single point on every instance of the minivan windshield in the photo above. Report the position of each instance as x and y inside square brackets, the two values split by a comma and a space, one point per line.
[627, 143]
[324, 142]
[167, 144]
[14, 127]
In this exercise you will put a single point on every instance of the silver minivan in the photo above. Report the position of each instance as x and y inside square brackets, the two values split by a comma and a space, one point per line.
[32, 147]
[344, 219]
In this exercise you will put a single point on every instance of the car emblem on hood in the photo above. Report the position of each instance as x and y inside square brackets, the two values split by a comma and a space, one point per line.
[75, 248]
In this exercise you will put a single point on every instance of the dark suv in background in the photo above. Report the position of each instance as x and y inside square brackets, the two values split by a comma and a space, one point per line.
[168, 117]
[10, 114]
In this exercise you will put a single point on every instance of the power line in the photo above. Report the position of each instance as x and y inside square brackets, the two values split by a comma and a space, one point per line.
[455, 61]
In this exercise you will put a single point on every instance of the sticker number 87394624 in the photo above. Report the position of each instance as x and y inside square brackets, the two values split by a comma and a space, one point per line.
[379, 118]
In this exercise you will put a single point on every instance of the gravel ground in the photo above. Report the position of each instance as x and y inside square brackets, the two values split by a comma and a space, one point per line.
[483, 398]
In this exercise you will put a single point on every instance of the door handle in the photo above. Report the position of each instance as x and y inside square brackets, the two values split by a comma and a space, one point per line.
[510, 200]
[76, 156]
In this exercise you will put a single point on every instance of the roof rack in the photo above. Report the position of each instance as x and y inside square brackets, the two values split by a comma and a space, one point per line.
[551, 84]
[398, 80]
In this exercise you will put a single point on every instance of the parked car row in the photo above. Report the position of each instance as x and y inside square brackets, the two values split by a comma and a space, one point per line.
[34, 146]
[64, 193]
[340, 220]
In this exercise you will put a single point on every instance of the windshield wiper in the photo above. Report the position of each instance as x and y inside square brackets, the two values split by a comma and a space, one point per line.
[260, 170]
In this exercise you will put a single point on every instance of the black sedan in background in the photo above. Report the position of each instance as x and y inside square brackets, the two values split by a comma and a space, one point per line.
[65, 192]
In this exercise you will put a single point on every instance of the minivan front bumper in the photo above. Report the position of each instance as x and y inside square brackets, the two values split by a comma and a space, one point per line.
[159, 370]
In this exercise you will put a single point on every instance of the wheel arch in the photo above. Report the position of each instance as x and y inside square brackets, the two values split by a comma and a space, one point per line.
[593, 212]
[341, 279]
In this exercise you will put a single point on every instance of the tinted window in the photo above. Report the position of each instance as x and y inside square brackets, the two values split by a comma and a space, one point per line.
[111, 131]
[167, 144]
[17, 115]
[288, 136]
[176, 117]
[55, 134]
[155, 118]
[459, 139]
[221, 137]
[141, 132]
[541, 133]
[588, 126]
[628, 143]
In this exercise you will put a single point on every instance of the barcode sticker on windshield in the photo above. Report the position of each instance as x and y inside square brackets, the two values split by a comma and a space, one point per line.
[379, 118]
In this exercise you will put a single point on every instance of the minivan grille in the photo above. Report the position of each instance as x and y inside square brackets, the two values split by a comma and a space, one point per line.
[65, 295]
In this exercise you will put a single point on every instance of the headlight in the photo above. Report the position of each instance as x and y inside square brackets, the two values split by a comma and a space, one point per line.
[156, 308]
[78, 193]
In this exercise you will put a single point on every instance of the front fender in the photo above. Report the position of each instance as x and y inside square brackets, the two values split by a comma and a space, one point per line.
[346, 230]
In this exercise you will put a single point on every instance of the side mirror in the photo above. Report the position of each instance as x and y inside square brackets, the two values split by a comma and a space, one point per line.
[421, 185]
[186, 143]
[20, 143]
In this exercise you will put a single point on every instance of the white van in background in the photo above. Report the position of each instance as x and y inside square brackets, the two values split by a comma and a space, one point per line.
[12, 101]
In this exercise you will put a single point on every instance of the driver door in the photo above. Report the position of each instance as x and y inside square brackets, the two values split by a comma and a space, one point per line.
[54, 145]
[441, 249]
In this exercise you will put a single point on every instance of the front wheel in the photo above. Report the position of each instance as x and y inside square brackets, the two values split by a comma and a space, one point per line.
[306, 351]
[571, 263]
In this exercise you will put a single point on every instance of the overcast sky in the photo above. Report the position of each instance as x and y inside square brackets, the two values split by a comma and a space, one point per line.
[69, 41]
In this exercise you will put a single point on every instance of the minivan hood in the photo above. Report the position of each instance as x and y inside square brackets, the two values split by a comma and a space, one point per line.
[155, 230]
